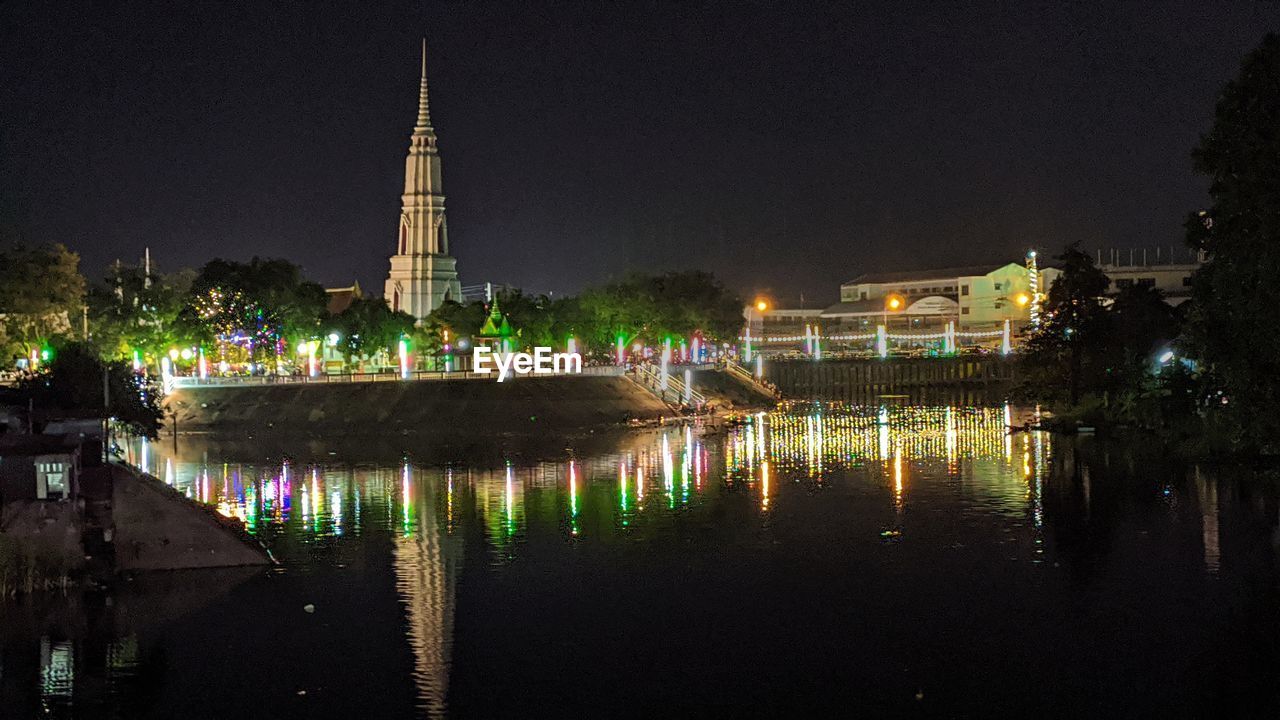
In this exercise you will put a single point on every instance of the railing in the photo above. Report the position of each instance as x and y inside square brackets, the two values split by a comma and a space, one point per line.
[325, 378]
[736, 370]
[674, 392]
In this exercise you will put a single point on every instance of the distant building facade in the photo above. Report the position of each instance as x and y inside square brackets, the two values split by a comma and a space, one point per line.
[976, 298]
[1173, 280]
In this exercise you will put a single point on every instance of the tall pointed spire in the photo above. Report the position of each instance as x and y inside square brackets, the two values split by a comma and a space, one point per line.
[424, 115]
[423, 274]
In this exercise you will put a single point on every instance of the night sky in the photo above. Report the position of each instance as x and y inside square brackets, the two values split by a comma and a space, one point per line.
[785, 150]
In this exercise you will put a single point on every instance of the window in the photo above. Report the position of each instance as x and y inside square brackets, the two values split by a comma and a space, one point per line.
[1186, 281]
[964, 311]
[1123, 283]
[50, 480]
[1146, 282]
[864, 294]
[949, 288]
[964, 289]
[997, 286]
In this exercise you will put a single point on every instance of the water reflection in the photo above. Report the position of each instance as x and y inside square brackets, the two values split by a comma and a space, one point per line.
[821, 489]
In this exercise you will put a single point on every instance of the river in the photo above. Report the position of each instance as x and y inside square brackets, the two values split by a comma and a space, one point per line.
[825, 560]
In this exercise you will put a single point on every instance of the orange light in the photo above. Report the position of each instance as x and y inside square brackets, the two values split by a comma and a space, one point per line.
[761, 305]
[894, 302]
[1022, 299]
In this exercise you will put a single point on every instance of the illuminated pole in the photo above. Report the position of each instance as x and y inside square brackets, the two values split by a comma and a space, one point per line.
[311, 358]
[666, 361]
[746, 349]
[949, 340]
[688, 386]
[622, 351]
[166, 373]
[759, 367]
[1033, 282]
[697, 350]
[404, 359]
[817, 343]
[882, 341]
[204, 365]
[1006, 346]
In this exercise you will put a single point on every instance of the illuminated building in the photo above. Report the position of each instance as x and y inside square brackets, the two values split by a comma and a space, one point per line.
[977, 298]
[423, 274]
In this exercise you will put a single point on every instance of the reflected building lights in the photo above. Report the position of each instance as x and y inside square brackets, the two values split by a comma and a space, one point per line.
[764, 485]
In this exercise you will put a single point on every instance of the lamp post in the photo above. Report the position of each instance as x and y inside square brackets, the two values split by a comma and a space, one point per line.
[892, 303]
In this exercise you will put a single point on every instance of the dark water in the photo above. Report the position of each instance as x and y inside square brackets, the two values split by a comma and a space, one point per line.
[905, 562]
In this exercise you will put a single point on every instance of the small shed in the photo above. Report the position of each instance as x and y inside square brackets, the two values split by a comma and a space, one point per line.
[39, 467]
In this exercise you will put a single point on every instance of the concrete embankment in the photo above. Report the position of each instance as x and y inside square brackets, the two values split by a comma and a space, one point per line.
[158, 528]
[436, 408]
[727, 391]
[964, 380]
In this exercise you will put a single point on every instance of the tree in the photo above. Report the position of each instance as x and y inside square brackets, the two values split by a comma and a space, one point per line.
[1235, 330]
[74, 379]
[368, 327]
[653, 307]
[1068, 350]
[256, 308]
[1143, 326]
[41, 292]
[132, 310]
[459, 320]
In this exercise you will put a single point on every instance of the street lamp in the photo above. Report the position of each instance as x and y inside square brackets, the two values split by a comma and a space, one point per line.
[762, 305]
[892, 303]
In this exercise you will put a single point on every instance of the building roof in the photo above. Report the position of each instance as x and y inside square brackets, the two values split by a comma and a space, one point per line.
[855, 307]
[19, 445]
[909, 276]
[341, 298]
[789, 312]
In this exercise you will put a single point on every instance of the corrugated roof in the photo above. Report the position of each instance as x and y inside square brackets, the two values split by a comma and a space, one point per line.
[20, 445]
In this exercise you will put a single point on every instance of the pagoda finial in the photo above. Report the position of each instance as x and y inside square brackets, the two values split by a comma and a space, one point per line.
[424, 115]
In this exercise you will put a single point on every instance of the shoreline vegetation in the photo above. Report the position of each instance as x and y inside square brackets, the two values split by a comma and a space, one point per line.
[26, 569]
[1202, 379]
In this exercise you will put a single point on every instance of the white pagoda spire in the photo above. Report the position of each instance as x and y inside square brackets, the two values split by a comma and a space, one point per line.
[424, 112]
[423, 275]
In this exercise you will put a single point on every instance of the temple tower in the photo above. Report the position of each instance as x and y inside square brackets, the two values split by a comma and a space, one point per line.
[423, 274]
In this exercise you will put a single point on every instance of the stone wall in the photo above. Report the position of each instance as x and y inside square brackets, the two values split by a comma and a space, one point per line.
[437, 408]
[953, 380]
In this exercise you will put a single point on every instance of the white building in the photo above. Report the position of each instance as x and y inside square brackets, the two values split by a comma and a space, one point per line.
[980, 297]
[1172, 280]
[423, 274]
